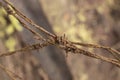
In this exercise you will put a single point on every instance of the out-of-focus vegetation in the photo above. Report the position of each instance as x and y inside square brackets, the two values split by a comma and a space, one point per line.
[75, 17]
[8, 26]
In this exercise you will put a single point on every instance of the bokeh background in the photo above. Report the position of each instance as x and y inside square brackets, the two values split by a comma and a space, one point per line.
[88, 21]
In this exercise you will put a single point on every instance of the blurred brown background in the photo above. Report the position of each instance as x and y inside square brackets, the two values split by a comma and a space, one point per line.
[89, 21]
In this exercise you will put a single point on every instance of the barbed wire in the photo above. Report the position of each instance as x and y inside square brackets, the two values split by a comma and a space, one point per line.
[52, 39]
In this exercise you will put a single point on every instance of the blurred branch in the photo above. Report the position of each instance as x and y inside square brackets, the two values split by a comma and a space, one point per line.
[12, 75]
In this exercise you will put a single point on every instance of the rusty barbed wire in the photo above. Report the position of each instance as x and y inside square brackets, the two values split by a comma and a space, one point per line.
[28, 48]
[52, 39]
[114, 52]
[58, 40]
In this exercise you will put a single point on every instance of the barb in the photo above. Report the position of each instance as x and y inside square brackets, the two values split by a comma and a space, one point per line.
[69, 46]
[72, 48]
